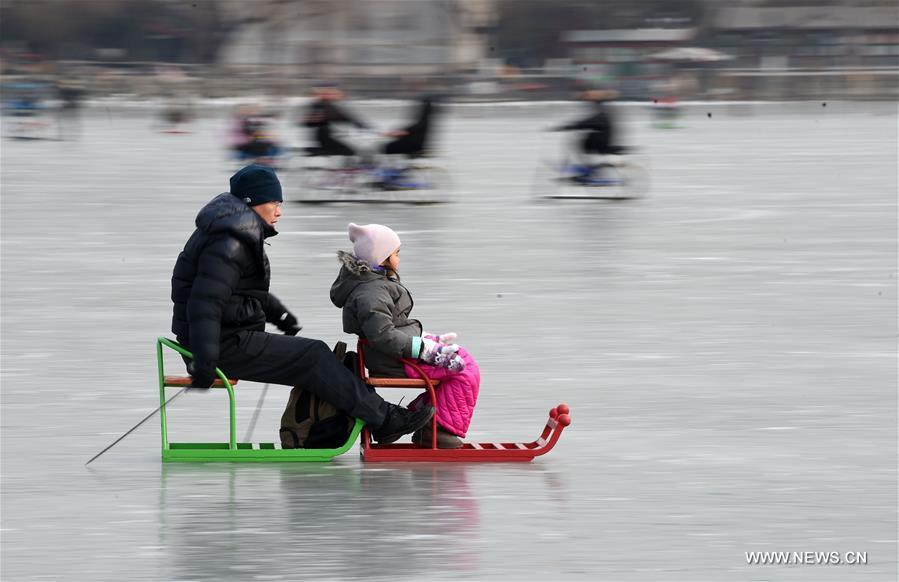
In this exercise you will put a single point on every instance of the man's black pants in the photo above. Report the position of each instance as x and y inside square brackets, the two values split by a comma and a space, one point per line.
[258, 356]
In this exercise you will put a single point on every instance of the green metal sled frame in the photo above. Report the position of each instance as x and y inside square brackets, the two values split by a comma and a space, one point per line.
[232, 451]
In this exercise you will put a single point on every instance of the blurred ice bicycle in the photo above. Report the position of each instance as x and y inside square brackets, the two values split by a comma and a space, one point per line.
[620, 174]
[368, 177]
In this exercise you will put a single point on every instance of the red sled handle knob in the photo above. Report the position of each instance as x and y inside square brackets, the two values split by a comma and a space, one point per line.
[560, 414]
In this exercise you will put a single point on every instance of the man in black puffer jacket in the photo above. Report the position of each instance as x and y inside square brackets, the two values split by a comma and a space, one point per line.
[220, 287]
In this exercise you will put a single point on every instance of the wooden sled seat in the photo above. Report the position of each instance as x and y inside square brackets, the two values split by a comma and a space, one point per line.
[181, 381]
[398, 382]
[387, 381]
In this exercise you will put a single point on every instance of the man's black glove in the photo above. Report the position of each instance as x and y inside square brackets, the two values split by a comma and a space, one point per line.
[201, 379]
[289, 324]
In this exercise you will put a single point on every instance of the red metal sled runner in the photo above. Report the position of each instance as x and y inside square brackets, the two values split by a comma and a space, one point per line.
[469, 452]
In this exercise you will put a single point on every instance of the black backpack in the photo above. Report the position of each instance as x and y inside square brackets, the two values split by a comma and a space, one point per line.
[309, 422]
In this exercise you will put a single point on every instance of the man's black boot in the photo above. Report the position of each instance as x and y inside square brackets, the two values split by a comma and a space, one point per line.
[400, 421]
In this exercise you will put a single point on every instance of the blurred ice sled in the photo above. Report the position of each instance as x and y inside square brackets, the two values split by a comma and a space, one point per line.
[612, 176]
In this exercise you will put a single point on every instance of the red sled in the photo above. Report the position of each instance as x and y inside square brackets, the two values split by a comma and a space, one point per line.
[469, 452]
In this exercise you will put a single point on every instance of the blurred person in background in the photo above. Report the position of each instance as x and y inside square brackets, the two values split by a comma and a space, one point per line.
[68, 121]
[666, 112]
[413, 140]
[178, 107]
[598, 128]
[250, 135]
[666, 107]
[27, 101]
[178, 111]
[322, 114]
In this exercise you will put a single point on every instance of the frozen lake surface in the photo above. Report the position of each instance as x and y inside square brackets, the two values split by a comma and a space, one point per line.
[727, 346]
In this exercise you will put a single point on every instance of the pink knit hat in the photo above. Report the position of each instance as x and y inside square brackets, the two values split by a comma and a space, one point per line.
[373, 243]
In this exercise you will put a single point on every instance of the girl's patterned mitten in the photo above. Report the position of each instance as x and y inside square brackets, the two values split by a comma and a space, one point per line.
[446, 338]
[441, 355]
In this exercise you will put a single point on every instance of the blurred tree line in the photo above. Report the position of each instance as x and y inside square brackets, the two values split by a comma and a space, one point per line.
[525, 33]
[188, 31]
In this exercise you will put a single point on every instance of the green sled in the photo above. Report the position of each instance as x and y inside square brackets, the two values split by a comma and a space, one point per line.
[232, 451]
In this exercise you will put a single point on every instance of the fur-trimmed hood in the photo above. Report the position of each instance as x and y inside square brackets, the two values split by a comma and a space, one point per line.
[354, 264]
[353, 272]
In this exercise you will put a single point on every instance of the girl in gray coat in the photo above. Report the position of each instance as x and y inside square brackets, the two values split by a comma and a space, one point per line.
[376, 307]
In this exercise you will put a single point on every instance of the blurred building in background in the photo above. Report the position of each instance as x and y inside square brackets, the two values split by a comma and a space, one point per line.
[477, 49]
[372, 46]
[802, 49]
[347, 37]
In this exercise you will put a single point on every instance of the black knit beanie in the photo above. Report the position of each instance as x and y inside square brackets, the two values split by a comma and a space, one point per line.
[256, 184]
